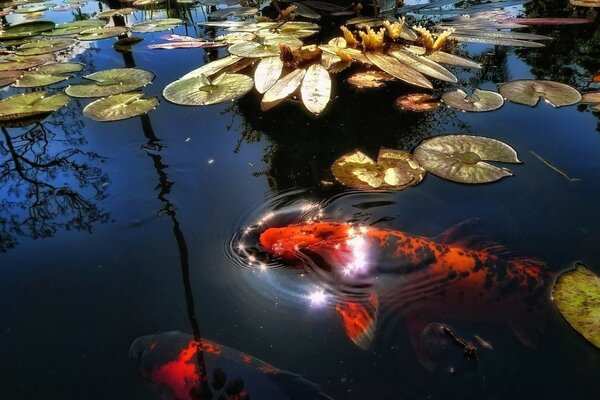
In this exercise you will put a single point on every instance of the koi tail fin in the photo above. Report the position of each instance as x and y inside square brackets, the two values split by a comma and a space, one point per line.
[360, 319]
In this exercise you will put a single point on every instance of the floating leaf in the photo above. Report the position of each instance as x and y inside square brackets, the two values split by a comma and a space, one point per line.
[236, 37]
[495, 41]
[267, 73]
[418, 102]
[31, 9]
[212, 67]
[111, 81]
[370, 79]
[15, 62]
[8, 77]
[124, 45]
[316, 88]
[200, 91]
[120, 106]
[101, 33]
[479, 101]
[192, 44]
[269, 47]
[48, 74]
[529, 92]
[282, 88]
[26, 29]
[116, 12]
[305, 11]
[29, 105]
[394, 170]
[576, 294]
[156, 25]
[461, 158]
[44, 46]
[74, 27]
[233, 11]
[593, 98]
[423, 65]
[444, 58]
[398, 70]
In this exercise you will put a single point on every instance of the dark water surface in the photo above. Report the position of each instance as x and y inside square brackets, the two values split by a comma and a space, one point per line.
[92, 247]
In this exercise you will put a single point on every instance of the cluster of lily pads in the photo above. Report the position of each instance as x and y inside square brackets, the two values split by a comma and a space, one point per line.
[458, 158]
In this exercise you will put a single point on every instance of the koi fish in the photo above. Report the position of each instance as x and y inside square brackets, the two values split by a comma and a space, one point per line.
[450, 276]
[169, 361]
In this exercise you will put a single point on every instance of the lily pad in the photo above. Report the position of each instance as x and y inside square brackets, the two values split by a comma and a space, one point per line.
[48, 74]
[394, 170]
[200, 91]
[32, 9]
[479, 101]
[370, 79]
[44, 46]
[212, 68]
[267, 73]
[29, 105]
[156, 25]
[8, 77]
[101, 33]
[316, 88]
[120, 106]
[116, 12]
[461, 158]
[124, 45]
[15, 62]
[282, 89]
[529, 92]
[74, 27]
[398, 70]
[576, 294]
[111, 81]
[418, 102]
[26, 29]
[268, 48]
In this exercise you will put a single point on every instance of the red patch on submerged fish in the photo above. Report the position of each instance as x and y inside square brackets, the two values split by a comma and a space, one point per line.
[181, 374]
[152, 345]
[246, 358]
[359, 320]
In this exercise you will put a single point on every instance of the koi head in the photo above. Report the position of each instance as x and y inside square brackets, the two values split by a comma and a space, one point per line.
[287, 242]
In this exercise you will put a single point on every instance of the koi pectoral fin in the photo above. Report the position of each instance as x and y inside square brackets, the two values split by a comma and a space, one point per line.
[360, 319]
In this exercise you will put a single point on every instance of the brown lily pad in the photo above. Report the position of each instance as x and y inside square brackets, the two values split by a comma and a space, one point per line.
[418, 102]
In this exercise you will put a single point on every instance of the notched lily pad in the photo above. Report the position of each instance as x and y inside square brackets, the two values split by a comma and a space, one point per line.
[74, 27]
[120, 106]
[461, 158]
[200, 91]
[529, 92]
[44, 46]
[26, 29]
[111, 81]
[29, 105]
[15, 62]
[101, 33]
[156, 25]
[418, 102]
[576, 294]
[479, 101]
[48, 74]
[394, 170]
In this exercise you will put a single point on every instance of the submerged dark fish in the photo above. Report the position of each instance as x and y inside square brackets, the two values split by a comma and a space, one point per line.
[446, 277]
[169, 361]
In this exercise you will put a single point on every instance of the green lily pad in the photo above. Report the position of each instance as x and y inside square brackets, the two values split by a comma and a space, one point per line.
[233, 11]
[74, 27]
[26, 29]
[32, 9]
[529, 92]
[120, 106]
[8, 77]
[461, 158]
[29, 105]
[268, 48]
[101, 33]
[48, 74]
[394, 170]
[156, 25]
[111, 81]
[479, 101]
[200, 91]
[44, 46]
[15, 62]
[108, 14]
[576, 294]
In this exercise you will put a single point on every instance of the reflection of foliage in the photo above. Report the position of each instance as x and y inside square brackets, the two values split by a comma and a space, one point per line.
[302, 148]
[574, 54]
[48, 183]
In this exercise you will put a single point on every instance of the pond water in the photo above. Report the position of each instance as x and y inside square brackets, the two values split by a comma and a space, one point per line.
[112, 231]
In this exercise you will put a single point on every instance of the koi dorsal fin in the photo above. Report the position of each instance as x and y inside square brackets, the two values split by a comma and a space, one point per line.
[470, 235]
[360, 319]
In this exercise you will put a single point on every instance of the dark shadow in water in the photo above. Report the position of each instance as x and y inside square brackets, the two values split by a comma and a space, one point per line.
[50, 183]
